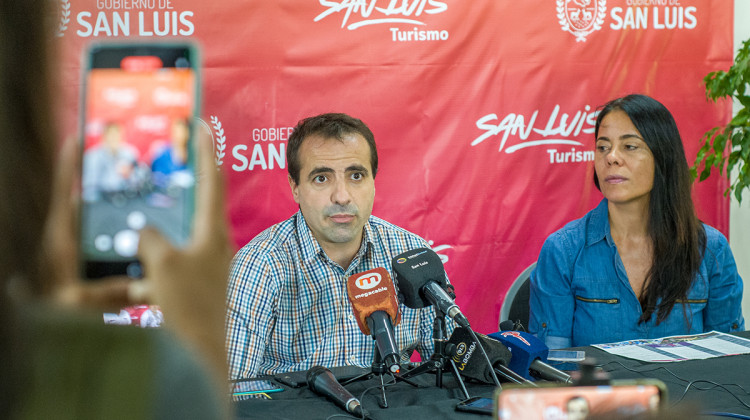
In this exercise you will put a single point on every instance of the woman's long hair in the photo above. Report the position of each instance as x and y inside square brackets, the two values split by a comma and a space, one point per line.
[26, 167]
[677, 236]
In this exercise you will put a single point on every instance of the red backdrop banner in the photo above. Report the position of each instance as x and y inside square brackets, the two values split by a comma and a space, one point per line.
[483, 110]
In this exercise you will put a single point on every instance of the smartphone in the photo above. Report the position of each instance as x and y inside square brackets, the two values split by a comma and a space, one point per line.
[619, 399]
[566, 355]
[140, 102]
[478, 405]
[243, 388]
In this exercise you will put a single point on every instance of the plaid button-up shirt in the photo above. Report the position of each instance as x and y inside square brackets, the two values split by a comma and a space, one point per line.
[288, 308]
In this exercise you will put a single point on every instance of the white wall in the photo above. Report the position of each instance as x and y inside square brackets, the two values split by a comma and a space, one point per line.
[739, 215]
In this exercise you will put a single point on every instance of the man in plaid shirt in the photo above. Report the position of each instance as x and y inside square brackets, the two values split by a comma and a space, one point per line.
[288, 308]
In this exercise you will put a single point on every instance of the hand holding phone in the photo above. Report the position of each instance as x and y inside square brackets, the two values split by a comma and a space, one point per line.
[64, 285]
[189, 283]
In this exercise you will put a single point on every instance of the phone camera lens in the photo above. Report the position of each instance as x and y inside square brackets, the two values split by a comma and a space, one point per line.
[126, 243]
[134, 270]
[103, 243]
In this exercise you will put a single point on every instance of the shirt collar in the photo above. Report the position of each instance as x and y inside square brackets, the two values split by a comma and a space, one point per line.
[597, 227]
[368, 241]
[310, 248]
[308, 245]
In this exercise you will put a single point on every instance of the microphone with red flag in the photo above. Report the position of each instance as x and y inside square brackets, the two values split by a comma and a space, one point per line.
[373, 299]
[529, 356]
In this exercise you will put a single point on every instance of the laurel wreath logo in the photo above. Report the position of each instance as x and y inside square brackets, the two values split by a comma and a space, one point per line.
[561, 15]
[579, 34]
[602, 14]
[64, 17]
[220, 140]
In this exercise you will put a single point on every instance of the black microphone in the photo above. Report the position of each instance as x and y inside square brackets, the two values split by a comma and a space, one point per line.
[509, 325]
[321, 381]
[420, 277]
[462, 348]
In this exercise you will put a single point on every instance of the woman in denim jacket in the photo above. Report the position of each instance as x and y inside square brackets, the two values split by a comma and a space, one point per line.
[640, 264]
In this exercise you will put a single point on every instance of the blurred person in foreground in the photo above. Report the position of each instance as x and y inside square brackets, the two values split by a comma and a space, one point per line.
[58, 358]
[640, 265]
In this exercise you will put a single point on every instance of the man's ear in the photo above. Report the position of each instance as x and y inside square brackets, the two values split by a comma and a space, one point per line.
[295, 188]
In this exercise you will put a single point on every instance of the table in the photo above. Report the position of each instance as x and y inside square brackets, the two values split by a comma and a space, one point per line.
[676, 376]
[404, 400]
[432, 403]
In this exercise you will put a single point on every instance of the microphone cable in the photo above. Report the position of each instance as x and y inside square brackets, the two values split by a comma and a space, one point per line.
[692, 384]
[715, 385]
[361, 400]
[678, 377]
[486, 358]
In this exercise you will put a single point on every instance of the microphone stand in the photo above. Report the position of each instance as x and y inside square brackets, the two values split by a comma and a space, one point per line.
[438, 360]
[378, 368]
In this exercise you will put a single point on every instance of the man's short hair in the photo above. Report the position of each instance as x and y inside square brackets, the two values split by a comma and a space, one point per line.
[331, 125]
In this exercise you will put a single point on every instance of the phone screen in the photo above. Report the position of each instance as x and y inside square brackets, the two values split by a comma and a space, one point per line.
[243, 388]
[577, 402]
[138, 165]
[478, 405]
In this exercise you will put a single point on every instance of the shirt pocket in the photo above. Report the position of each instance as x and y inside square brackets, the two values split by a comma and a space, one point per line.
[598, 309]
[699, 302]
[689, 311]
[697, 297]
[599, 315]
[604, 300]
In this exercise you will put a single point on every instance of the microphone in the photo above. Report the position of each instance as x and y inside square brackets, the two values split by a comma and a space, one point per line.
[511, 325]
[529, 355]
[461, 348]
[321, 381]
[373, 299]
[421, 282]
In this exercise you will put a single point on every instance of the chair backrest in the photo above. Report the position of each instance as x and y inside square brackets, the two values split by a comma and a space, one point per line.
[516, 303]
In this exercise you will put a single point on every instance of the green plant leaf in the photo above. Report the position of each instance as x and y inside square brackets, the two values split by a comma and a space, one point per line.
[737, 139]
[714, 151]
[741, 119]
[720, 143]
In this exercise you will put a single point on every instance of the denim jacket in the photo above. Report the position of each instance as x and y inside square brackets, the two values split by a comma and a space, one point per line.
[580, 293]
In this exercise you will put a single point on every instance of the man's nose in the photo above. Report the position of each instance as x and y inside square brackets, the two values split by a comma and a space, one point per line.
[340, 194]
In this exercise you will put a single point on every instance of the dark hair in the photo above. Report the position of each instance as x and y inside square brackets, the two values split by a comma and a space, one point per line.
[26, 167]
[328, 126]
[677, 235]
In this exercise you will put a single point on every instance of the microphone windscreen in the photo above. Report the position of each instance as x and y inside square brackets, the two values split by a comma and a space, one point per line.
[372, 291]
[507, 325]
[312, 376]
[413, 270]
[468, 358]
[525, 348]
